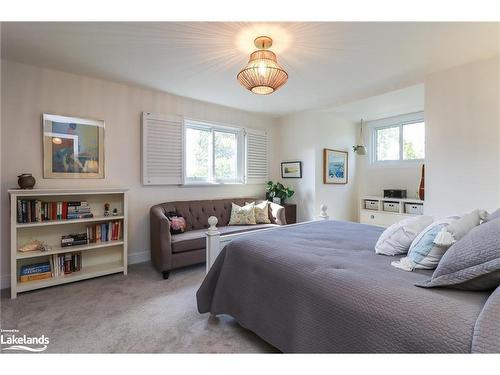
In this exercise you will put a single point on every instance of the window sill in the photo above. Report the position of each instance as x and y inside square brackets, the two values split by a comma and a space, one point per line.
[397, 163]
[206, 184]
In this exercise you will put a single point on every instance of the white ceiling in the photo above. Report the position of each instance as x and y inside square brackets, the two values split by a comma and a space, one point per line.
[407, 100]
[329, 63]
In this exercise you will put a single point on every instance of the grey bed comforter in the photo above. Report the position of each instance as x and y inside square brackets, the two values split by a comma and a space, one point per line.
[320, 287]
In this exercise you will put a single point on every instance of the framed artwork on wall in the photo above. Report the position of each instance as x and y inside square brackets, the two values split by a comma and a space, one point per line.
[335, 166]
[291, 169]
[72, 147]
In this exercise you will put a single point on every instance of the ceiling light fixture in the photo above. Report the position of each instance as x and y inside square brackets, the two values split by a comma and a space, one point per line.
[262, 75]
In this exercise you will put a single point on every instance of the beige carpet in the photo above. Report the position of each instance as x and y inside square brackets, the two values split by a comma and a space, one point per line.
[139, 313]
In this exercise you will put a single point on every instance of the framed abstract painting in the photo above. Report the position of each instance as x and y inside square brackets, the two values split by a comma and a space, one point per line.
[72, 147]
[291, 169]
[335, 166]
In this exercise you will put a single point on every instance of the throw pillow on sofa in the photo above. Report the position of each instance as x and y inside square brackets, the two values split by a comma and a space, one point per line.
[424, 253]
[459, 228]
[473, 263]
[242, 215]
[398, 237]
[261, 212]
[177, 222]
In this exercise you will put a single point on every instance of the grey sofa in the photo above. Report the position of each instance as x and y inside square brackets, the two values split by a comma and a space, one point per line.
[171, 251]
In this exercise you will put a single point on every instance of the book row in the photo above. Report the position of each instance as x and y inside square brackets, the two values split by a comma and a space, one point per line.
[58, 265]
[32, 210]
[109, 231]
[104, 232]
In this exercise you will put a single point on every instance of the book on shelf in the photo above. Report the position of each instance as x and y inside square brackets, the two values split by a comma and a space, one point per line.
[58, 265]
[30, 269]
[74, 239]
[37, 271]
[34, 210]
[36, 276]
[104, 232]
[64, 264]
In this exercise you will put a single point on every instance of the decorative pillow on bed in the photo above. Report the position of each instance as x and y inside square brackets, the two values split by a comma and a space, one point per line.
[261, 212]
[398, 237]
[242, 215]
[494, 215]
[177, 222]
[473, 263]
[424, 253]
[459, 228]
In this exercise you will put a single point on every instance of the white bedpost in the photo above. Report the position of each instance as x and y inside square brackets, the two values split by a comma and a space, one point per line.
[213, 241]
[323, 214]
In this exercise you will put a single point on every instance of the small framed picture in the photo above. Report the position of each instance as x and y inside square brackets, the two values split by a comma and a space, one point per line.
[291, 169]
[335, 164]
[72, 147]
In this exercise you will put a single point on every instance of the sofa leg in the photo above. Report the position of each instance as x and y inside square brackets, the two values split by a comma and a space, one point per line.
[165, 274]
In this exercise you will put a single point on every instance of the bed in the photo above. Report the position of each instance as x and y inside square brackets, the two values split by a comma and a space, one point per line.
[319, 287]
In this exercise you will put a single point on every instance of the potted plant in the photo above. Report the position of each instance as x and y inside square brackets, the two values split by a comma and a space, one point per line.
[277, 192]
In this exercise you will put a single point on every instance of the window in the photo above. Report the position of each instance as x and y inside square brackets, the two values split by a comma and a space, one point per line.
[403, 140]
[414, 141]
[177, 151]
[213, 153]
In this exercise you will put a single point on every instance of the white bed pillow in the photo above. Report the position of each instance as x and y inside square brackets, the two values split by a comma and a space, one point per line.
[459, 228]
[398, 237]
[424, 253]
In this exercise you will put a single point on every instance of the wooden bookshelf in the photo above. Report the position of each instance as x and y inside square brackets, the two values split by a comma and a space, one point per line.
[98, 258]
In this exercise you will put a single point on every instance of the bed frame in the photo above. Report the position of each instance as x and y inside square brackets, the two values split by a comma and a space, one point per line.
[215, 242]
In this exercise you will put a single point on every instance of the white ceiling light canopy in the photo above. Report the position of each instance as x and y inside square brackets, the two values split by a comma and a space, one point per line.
[262, 75]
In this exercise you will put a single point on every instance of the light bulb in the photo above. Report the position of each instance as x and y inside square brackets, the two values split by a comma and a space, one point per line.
[262, 68]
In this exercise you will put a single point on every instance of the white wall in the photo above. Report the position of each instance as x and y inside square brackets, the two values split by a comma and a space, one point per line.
[375, 178]
[303, 136]
[33, 91]
[372, 180]
[462, 112]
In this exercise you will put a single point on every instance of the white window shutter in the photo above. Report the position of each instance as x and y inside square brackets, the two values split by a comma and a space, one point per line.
[256, 151]
[162, 137]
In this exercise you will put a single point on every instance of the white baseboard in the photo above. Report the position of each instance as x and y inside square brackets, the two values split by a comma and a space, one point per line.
[143, 256]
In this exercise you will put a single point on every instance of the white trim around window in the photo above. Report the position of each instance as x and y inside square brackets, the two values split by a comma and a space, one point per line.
[392, 122]
[212, 129]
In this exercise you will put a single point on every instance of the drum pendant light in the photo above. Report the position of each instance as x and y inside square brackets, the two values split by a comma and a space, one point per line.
[262, 75]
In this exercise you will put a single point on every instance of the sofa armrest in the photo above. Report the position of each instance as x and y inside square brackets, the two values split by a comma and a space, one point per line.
[161, 247]
[278, 213]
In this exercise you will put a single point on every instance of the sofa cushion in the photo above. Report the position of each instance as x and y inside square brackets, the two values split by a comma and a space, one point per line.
[197, 212]
[195, 239]
[261, 212]
[242, 215]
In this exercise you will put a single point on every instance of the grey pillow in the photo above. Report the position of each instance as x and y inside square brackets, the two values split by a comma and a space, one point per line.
[473, 263]
[494, 215]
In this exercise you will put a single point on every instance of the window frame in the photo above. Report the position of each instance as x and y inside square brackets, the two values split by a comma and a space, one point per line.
[394, 122]
[213, 128]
